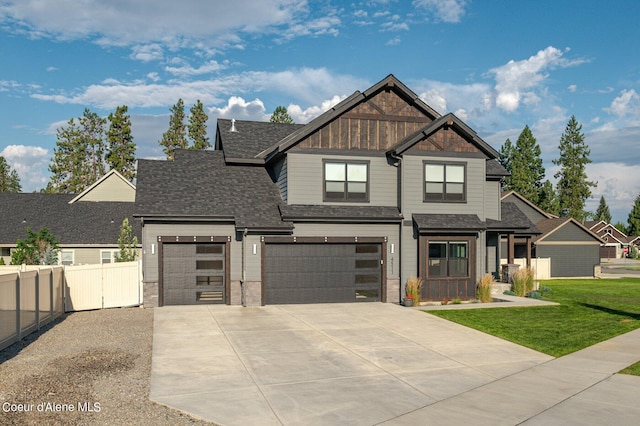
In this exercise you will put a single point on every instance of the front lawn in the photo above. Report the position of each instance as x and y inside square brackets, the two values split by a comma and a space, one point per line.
[590, 311]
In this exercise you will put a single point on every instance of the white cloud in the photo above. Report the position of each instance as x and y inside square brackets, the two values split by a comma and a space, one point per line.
[517, 80]
[206, 68]
[450, 11]
[239, 109]
[572, 88]
[147, 52]
[393, 41]
[31, 163]
[628, 103]
[303, 116]
[618, 184]
[170, 23]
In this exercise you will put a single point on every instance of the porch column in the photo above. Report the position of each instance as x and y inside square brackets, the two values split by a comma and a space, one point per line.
[528, 252]
[510, 248]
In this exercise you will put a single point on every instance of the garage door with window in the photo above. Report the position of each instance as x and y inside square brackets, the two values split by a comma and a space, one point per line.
[322, 273]
[193, 274]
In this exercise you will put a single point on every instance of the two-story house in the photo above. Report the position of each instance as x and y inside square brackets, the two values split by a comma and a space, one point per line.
[343, 209]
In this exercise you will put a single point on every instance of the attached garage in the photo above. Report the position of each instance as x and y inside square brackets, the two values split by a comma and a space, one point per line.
[194, 273]
[323, 272]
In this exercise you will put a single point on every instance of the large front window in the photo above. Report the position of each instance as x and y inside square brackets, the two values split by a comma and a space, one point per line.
[346, 181]
[444, 182]
[448, 259]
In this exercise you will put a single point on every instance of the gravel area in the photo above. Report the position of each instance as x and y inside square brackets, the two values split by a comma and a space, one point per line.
[87, 368]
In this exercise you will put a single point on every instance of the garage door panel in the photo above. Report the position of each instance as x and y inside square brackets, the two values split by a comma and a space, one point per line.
[322, 273]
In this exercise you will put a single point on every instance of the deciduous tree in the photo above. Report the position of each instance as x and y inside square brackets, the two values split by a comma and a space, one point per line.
[198, 127]
[573, 186]
[127, 242]
[9, 179]
[122, 149]
[175, 137]
[39, 248]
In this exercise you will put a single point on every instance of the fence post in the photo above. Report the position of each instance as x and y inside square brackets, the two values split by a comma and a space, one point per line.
[38, 299]
[51, 307]
[18, 327]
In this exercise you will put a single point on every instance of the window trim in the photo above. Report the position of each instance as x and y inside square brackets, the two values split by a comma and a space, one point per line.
[444, 183]
[73, 257]
[112, 256]
[447, 243]
[345, 198]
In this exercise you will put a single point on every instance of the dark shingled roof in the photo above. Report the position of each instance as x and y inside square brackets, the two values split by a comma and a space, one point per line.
[300, 212]
[513, 219]
[495, 169]
[84, 222]
[198, 185]
[252, 137]
[448, 222]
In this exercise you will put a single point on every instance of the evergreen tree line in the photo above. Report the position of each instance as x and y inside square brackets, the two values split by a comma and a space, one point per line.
[523, 161]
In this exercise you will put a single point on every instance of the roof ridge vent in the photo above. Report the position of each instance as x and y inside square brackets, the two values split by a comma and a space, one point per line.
[233, 125]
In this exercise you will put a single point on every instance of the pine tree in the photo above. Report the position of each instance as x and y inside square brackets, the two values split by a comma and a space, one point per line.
[548, 200]
[9, 179]
[603, 213]
[280, 115]
[198, 127]
[175, 137]
[634, 219]
[506, 154]
[573, 186]
[122, 149]
[78, 159]
[127, 242]
[525, 166]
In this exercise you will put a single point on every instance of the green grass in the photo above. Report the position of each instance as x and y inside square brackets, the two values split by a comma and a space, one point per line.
[590, 311]
[632, 369]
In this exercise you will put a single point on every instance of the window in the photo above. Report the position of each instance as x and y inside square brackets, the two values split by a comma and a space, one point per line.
[66, 257]
[448, 259]
[107, 256]
[346, 181]
[444, 182]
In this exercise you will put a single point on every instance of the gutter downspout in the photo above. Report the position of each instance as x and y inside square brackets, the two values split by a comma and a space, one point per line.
[244, 268]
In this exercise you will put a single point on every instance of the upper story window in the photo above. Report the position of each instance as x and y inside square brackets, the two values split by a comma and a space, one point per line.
[445, 182]
[346, 181]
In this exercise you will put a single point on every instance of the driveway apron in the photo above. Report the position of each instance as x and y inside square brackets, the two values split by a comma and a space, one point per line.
[321, 364]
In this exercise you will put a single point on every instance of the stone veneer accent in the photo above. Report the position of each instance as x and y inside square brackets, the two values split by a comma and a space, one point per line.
[252, 293]
[393, 290]
[235, 293]
[150, 294]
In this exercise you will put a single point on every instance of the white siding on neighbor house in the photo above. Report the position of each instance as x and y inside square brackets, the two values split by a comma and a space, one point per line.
[111, 189]
[358, 230]
[305, 179]
[151, 232]
[413, 186]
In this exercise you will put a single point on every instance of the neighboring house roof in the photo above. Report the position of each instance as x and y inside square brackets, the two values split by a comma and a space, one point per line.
[609, 229]
[513, 219]
[80, 223]
[389, 82]
[448, 120]
[250, 138]
[496, 170]
[508, 194]
[448, 222]
[552, 225]
[313, 213]
[110, 187]
[199, 185]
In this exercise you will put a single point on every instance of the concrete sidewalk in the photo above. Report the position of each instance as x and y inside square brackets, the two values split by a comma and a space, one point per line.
[372, 363]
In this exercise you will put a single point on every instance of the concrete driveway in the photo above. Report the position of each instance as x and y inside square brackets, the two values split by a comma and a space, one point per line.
[359, 363]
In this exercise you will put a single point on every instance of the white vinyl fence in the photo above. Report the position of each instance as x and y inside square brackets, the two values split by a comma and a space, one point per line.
[29, 299]
[108, 285]
[541, 266]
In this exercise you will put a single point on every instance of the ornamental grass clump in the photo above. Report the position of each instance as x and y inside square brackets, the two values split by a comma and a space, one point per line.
[484, 288]
[414, 289]
[523, 281]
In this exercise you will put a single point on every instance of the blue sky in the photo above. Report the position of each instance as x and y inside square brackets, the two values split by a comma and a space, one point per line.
[498, 65]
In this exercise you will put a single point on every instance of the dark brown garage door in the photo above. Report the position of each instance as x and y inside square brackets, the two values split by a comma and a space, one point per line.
[322, 273]
[193, 273]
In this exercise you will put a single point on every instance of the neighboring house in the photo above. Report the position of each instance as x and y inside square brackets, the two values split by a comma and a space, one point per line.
[87, 225]
[615, 241]
[343, 209]
[573, 249]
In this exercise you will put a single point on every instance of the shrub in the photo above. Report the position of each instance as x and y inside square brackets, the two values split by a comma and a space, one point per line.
[414, 289]
[544, 289]
[534, 295]
[523, 281]
[509, 293]
[484, 288]
[456, 301]
[2, 261]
